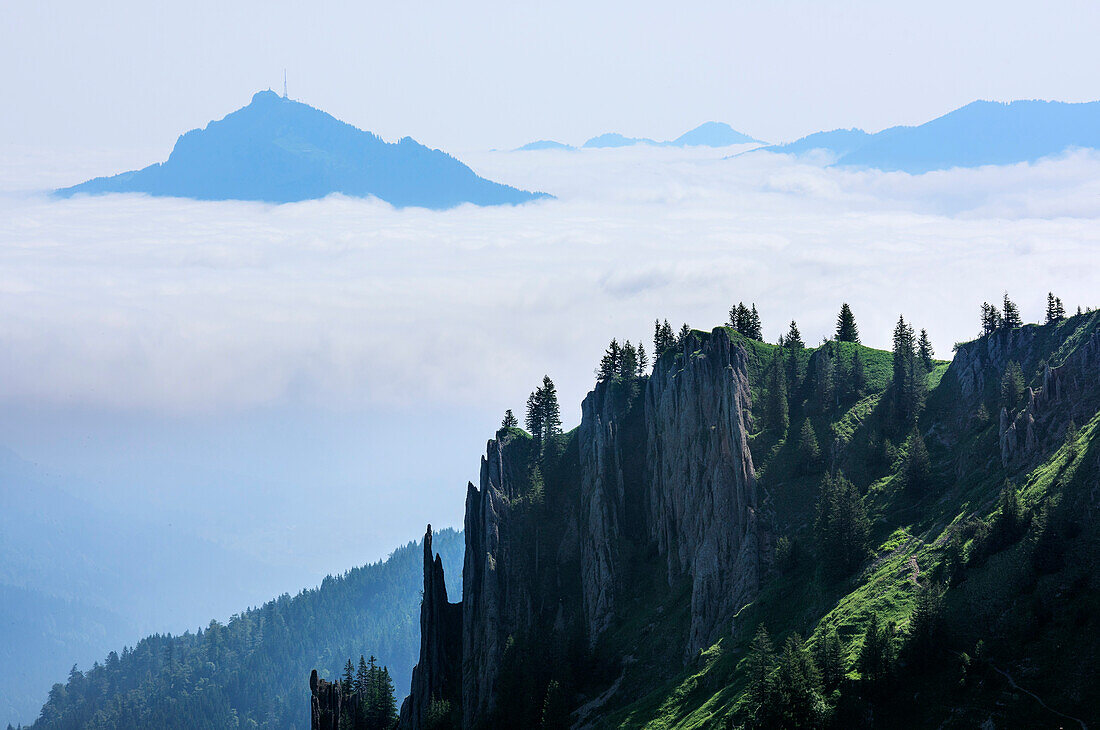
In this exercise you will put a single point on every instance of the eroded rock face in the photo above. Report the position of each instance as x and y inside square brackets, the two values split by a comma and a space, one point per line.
[668, 469]
[1065, 390]
[601, 509]
[496, 595]
[437, 675]
[702, 491]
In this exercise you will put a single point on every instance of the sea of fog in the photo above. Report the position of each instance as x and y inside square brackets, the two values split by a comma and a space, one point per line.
[305, 386]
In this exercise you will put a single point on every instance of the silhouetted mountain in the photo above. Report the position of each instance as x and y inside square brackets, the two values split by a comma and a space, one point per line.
[614, 139]
[544, 144]
[711, 134]
[980, 133]
[277, 150]
[708, 134]
[837, 142]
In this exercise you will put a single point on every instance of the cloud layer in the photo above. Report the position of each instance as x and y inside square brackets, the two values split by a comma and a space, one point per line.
[171, 305]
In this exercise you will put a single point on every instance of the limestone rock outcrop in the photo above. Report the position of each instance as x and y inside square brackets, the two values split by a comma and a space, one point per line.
[496, 595]
[658, 466]
[704, 507]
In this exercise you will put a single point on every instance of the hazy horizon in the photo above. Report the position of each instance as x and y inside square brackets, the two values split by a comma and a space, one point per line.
[500, 75]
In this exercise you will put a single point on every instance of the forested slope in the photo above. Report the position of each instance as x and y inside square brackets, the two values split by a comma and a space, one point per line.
[252, 671]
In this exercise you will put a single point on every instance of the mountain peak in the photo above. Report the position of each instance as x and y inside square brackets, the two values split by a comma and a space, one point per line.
[980, 133]
[712, 134]
[278, 150]
[265, 95]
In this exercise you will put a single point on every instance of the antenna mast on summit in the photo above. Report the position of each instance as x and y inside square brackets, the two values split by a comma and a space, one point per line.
[284, 83]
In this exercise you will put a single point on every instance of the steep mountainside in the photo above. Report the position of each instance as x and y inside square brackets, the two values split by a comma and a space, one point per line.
[980, 133]
[250, 671]
[919, 539]
[278, 150]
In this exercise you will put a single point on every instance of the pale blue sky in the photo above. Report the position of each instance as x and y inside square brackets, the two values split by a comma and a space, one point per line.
[135, 74]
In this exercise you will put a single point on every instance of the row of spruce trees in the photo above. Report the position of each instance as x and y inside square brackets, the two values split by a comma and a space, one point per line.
[369, 702]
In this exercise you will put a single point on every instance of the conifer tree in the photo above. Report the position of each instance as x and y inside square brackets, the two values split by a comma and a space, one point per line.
[796, 700]
[755, 328]
[793, 339]
[991, 318]
[550, 408]
[1056, 311]
[509, 420]
[846, 329]
[663, 339]
[808, 450]
[628, 368]
[348, 681]
[1070, 438]
[876, 657]
[685, 331]
[362, 676]
[841, 526]
[909, 378]
[744, 319]
[924, 641]
[1012, 318]
[761, 662]
[611, 363]
[543, 414]
[924, 349]
[643, 361]
[830, 660]
[380, 710]
[776, 409]
[918, 469]
[534, 419]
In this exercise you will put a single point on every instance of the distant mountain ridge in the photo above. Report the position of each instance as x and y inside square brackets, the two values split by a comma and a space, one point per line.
[980, 133]
[708, 134]
[278, 150]
[72, 585]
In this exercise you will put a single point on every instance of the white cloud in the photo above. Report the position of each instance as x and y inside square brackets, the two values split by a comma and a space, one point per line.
[181, 306]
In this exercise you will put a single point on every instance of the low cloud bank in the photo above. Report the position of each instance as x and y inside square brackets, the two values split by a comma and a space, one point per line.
[133, 303]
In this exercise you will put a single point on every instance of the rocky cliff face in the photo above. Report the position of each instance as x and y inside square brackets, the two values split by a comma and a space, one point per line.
[660, 465]
[704, 510]
[497, 600]
[602, 507]
[1063, 390]
[437, 676]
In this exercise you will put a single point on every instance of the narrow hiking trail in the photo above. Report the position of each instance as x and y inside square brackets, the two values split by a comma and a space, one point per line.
[1038, 699]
